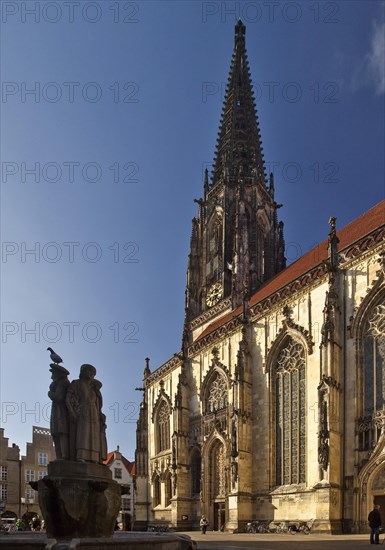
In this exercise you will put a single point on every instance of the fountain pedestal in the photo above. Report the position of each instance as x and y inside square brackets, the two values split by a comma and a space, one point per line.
[78, 499]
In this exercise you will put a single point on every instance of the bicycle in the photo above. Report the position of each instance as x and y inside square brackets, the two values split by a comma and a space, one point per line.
[251, 526]
[301, 527]
[264, 527]
[282, 528]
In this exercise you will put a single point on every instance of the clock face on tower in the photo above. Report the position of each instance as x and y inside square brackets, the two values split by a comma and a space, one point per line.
[214, 294]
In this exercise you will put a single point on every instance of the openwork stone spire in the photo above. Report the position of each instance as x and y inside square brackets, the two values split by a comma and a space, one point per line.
[239, 148]
[237, 241]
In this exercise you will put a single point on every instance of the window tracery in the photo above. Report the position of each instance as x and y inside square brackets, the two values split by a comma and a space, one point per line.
[217, 398]
[369, 426]
[163, 427]
[374, 360]
[290, 414]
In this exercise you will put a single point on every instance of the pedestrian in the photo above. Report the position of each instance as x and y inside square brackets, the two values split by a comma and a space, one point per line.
[203, 524]
[374, 519]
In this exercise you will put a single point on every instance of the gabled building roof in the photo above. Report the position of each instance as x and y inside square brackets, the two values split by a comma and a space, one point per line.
[111, 456]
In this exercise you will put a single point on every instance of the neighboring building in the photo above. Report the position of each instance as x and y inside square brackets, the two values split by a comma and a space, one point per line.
[275, 406]
[123, 471]
[9, 477]
[34, 467]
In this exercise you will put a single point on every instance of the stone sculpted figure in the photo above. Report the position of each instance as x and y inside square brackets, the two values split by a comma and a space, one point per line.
[103, 440]
[59, 422]
[87, 422]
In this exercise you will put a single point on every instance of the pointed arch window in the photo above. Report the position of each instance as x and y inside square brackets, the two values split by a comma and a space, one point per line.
[196, 468]
[163, 427]
[373, 382]
[290, 414]
[157, 492]
[217, 398]
[374, 359]
[167, 490]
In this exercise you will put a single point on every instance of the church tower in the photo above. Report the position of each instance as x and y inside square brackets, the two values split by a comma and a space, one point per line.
[274, 408]
[237, 242]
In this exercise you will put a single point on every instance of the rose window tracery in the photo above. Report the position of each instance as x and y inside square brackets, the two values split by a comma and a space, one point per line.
[217, 398]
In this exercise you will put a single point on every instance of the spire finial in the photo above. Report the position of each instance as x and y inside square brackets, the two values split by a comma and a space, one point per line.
[333, 242]
[240, 31]
[147, 370]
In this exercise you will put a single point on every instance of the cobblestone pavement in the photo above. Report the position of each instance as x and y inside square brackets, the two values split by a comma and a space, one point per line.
[226, 541]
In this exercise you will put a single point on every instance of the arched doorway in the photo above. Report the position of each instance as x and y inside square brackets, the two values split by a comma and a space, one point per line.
[378, 492]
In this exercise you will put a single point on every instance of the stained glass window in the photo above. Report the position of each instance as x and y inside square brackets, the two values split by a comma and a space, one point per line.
[163, 420]
[290, 414]
[374, 354]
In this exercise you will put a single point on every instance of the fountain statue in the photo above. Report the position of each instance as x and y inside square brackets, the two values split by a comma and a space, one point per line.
[78, 497]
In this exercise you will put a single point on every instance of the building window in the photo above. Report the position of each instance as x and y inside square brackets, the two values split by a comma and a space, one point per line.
[118, 473]
[217, 398]
[167, 490]
[290, 414]
[30, 475]
[29, 496]
[43, 459]
[373, 377]
[156, 491]
[3, 491]
[126, 504]
[41, 474]
[163, 423]
[4, 473]
[196, 473]
[374, 353]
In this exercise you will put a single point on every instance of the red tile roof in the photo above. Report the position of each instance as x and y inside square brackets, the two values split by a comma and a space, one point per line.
[109, 458]
[348, 235]
[130, 466]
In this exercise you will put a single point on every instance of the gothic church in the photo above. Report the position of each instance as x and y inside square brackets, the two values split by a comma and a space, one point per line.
[274, 409]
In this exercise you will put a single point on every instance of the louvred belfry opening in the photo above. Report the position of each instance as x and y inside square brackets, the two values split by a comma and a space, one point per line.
[237, 241]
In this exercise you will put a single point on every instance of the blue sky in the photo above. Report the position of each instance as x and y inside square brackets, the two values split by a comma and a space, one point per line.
[121, 123]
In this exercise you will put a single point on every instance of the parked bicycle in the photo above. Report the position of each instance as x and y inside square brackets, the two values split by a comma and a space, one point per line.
[257, 526]
[301, 527]
[282, 527]
[264, 527]
[251, 526]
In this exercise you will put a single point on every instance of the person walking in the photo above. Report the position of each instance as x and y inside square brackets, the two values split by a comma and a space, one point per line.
[203, 524]
[374, 519]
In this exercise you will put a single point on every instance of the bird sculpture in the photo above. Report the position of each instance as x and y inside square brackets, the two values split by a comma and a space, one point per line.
[55, 357]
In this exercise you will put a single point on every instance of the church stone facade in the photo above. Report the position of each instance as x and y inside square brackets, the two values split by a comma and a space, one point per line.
[274, 409]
